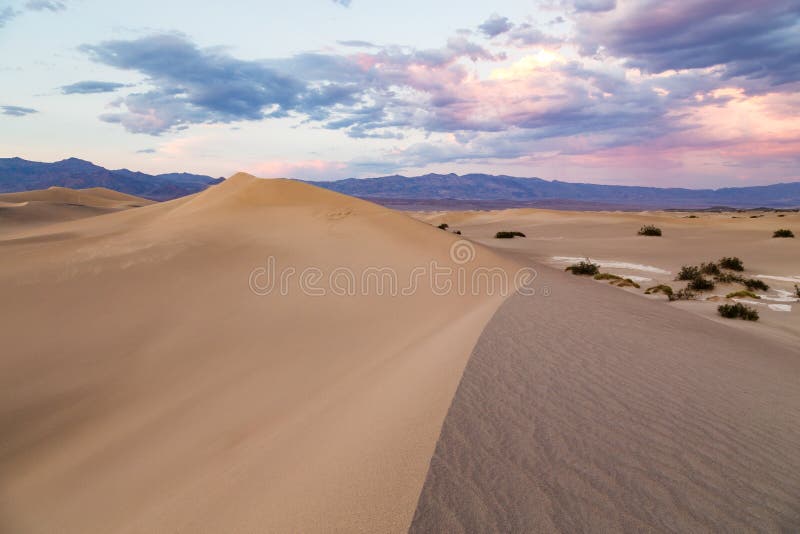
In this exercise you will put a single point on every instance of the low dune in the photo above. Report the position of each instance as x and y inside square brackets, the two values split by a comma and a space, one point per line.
[145, 386]
[30, 209]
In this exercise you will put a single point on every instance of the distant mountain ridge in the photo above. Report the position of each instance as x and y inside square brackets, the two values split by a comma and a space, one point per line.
[536, 191]
[17, 174]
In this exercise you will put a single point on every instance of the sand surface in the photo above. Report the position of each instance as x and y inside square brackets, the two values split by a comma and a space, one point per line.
[31, 209]
[594, 410]
[145, 388]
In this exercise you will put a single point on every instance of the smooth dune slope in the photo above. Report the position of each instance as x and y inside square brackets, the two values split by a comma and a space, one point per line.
[594, 410]
[145, 388]
[29, 209]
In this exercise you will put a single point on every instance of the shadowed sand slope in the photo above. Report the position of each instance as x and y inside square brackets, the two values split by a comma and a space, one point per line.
[29, 209]
[593, 410]
[144, 387]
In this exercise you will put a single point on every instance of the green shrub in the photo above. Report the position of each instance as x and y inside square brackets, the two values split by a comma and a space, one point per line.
[626, 282]
[783, 232]
[650, 230]
[729, 278]
[661, 288]
[607, 276]
[443, 226]
[733, 264]
[584, 268]
[688, 272]
[683, 294]
[701, 284]
[742, 294]
[508, 235]
[754, 283]
[738, 311]
[710, 268]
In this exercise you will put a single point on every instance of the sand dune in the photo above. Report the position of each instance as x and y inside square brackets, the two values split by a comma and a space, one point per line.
[145, 388]
[153, 380]
[30, 209]
[594, 410]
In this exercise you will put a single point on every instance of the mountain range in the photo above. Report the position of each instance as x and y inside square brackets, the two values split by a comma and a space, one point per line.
[17, 174]
[431, 191]
[489, 191]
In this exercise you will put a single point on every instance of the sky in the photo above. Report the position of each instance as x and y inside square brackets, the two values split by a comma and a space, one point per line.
[689, 93]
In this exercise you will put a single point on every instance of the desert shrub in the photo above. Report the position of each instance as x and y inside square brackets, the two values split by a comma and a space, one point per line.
[508, 235]
[744, 293]
[729, 278]
[701, 284]
[709, 268]
[688, 272]
[733, 264]
[754, 283]
[738, 311]
[650, 230]
[783, 232]
[607, 276]
[797, 290]
[781, 215]
[683, 294]
[691, 217]
[457, 232]
[627, 282]
[661, 288]
[584, 268]
[443, 226]
[755, 216]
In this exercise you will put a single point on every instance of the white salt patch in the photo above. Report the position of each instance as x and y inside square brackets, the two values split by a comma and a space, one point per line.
[746, 301]
[612, 264]
[639, 278]
[780, 278]
[778, 298]
[780, 307]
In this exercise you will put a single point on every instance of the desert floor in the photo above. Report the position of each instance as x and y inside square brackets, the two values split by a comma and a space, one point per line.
[559, 238]
[152, 379]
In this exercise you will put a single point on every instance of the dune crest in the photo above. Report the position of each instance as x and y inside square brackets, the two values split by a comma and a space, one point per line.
[167, 395]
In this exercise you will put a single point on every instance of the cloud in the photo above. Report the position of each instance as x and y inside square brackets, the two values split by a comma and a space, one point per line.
[6, 14]
[594, 6]
[193, 85]
[744, 39]
[526, 35]
[357, 44]
[345, 3]
[495, 25]
[545, 101]
[17, 111]
[48, 5]
[147, 151]
[91, 87]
